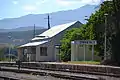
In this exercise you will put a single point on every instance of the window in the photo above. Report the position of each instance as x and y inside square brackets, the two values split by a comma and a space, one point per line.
[33, 49]
[43, 51]
[80, 46]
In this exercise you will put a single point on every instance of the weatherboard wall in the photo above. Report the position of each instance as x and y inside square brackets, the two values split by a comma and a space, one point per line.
[52, 52]
[51, 49]
[77, 53]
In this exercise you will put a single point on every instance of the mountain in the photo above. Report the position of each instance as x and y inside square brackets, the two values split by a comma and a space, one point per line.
[18, 37]
[21, 29]
[56, 18]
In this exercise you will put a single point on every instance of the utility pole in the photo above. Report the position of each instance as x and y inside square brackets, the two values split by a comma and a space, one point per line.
[48, 22]
[105, 42]
[10, 48]
[48, 18]
[9, 53]
[34, 32]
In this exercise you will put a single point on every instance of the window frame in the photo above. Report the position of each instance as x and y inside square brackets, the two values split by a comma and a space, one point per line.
[43, 51]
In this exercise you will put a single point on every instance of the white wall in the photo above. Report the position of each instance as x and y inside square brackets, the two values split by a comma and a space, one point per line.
[77, 53]
[20, 54]
[52, 52]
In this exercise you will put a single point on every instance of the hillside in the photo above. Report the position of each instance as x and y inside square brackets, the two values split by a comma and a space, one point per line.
[21, 29]
[19, 37]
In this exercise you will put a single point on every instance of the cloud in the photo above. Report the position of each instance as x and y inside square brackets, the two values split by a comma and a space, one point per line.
[65, 2]
[40, 2]
[15, 2]
[37, 3]
[30, 8]
[81, 2]
[91, 2]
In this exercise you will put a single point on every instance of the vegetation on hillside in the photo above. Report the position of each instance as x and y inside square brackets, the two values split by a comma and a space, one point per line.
[18, 37]
[2, 54]
[5, 51]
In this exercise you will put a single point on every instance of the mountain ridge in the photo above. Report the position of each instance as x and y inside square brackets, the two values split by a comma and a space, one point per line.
[21, 29]
[18, 37]
[57, 18]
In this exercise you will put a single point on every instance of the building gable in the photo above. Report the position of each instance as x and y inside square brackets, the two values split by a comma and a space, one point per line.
[56, 30]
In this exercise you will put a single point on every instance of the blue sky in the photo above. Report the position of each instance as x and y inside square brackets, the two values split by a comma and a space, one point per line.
[17, 8]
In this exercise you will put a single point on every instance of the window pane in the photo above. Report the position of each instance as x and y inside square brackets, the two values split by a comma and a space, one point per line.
[43, 51]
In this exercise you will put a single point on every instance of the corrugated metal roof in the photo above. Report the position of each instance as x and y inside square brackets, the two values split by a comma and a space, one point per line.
[33, 44]
[53, 31]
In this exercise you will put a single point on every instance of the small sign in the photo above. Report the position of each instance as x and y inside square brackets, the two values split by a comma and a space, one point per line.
[85, 42]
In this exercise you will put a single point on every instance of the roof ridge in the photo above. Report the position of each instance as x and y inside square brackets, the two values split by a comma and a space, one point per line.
[55, 30]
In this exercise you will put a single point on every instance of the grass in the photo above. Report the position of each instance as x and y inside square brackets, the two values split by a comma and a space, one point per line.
[83, 62]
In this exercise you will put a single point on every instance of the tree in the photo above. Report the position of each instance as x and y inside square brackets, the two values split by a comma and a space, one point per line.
[70, 35]
[94, 30]
[96, 24]
[116, 37]
[97, 20]
[2, 53]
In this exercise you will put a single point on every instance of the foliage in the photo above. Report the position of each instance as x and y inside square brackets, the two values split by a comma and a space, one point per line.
[70, 35]
[96, 24]
[113, 29]
[2, 53]
[83, 62]
[116, 37]
[94, 30]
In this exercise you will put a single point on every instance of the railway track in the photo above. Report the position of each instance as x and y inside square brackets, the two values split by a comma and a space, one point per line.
[7, 78]
[64, 72]
[57, 74]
